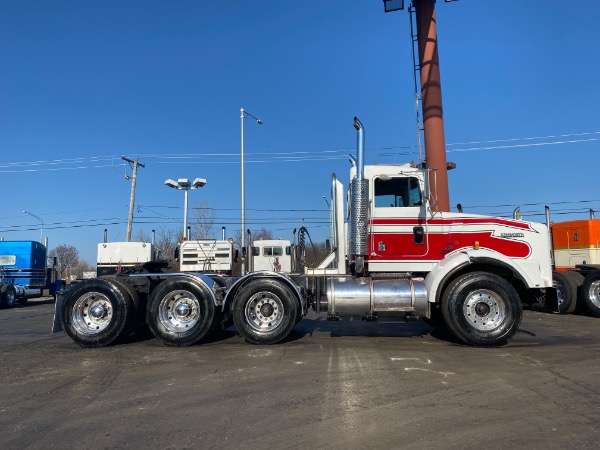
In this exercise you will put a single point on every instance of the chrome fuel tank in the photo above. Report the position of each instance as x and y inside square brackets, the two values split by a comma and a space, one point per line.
[350, 296]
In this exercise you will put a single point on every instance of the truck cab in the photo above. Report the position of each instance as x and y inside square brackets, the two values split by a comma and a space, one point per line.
[404, 234]
[271, 254]
[26, 271]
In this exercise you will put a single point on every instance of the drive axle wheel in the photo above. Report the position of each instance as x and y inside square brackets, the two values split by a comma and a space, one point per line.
[566, 284]
[591, 292]
[181, 312]
[481, 309]
[265, 311]
[96, 312]
[139, 306]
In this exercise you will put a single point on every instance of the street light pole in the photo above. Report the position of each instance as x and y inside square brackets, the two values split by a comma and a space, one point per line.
[185, 211]
[243, 115]
[243, 198]
[41, 225]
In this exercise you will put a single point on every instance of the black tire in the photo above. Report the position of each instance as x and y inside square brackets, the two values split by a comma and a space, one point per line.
[95, 313]
[139, 325]
[8, 296]
[481, 309]
[577, 278]
[181, 312]
[566, 284]
[590, 292]
[265, 311]
[138, 305]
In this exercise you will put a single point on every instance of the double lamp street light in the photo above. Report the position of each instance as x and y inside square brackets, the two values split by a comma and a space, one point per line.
[183, 184]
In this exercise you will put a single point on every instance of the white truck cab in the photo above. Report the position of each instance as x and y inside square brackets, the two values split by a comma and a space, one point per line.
[272, 254]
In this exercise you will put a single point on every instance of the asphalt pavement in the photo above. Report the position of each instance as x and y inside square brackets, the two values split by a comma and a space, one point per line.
[340, 385]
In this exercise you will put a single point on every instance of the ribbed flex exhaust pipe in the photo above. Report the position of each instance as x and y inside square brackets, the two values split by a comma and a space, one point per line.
[359, 210]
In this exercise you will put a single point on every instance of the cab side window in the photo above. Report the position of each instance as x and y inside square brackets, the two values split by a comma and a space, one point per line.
[397, 192]
[273, 251]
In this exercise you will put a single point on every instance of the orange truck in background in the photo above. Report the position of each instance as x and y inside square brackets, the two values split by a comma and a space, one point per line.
[577, 264]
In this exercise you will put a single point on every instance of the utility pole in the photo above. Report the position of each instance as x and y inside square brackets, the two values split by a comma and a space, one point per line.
[135, 165]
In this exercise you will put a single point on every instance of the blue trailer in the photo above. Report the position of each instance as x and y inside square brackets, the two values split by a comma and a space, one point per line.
[26, 271]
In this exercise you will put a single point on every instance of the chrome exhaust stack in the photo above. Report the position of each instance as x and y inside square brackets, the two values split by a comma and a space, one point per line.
[359, 210]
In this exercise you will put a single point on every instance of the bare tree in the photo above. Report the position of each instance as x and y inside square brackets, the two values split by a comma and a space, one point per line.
[82, 266]
[315, 253]
[262, 234]
[67, 256]
[141, 236]
[166, 241]
[203, 223]
[256, 235]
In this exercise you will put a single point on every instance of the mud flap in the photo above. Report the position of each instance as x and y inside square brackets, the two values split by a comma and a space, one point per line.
[57, 326]
[551, 300]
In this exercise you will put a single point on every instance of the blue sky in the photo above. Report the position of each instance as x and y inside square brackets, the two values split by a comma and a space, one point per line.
[84, 82]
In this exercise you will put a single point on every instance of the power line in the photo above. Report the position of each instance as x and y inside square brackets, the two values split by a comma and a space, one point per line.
[237, 209]
[531, 204]
[97, 162]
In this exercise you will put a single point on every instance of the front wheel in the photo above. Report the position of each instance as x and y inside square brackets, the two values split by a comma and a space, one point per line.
[8, 296]
[265, 311]
[481, 309]
[591, 292]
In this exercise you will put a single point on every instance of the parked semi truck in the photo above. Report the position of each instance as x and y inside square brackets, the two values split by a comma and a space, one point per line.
[576, 246]
[393, 256]
[218, 256]
[26, 271]
[201, 255]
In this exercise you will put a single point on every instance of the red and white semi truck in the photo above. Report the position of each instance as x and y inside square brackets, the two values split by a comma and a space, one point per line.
[393, 255]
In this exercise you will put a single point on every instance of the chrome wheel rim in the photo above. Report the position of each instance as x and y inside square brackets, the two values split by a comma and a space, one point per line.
[264, 312]
[92, 313]
[560, 292]
[594, 293]
[11, 297]
[179, 311]
[484, 310]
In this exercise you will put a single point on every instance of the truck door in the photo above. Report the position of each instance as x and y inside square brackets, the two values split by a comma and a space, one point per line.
[578, 244]
[399, 224]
